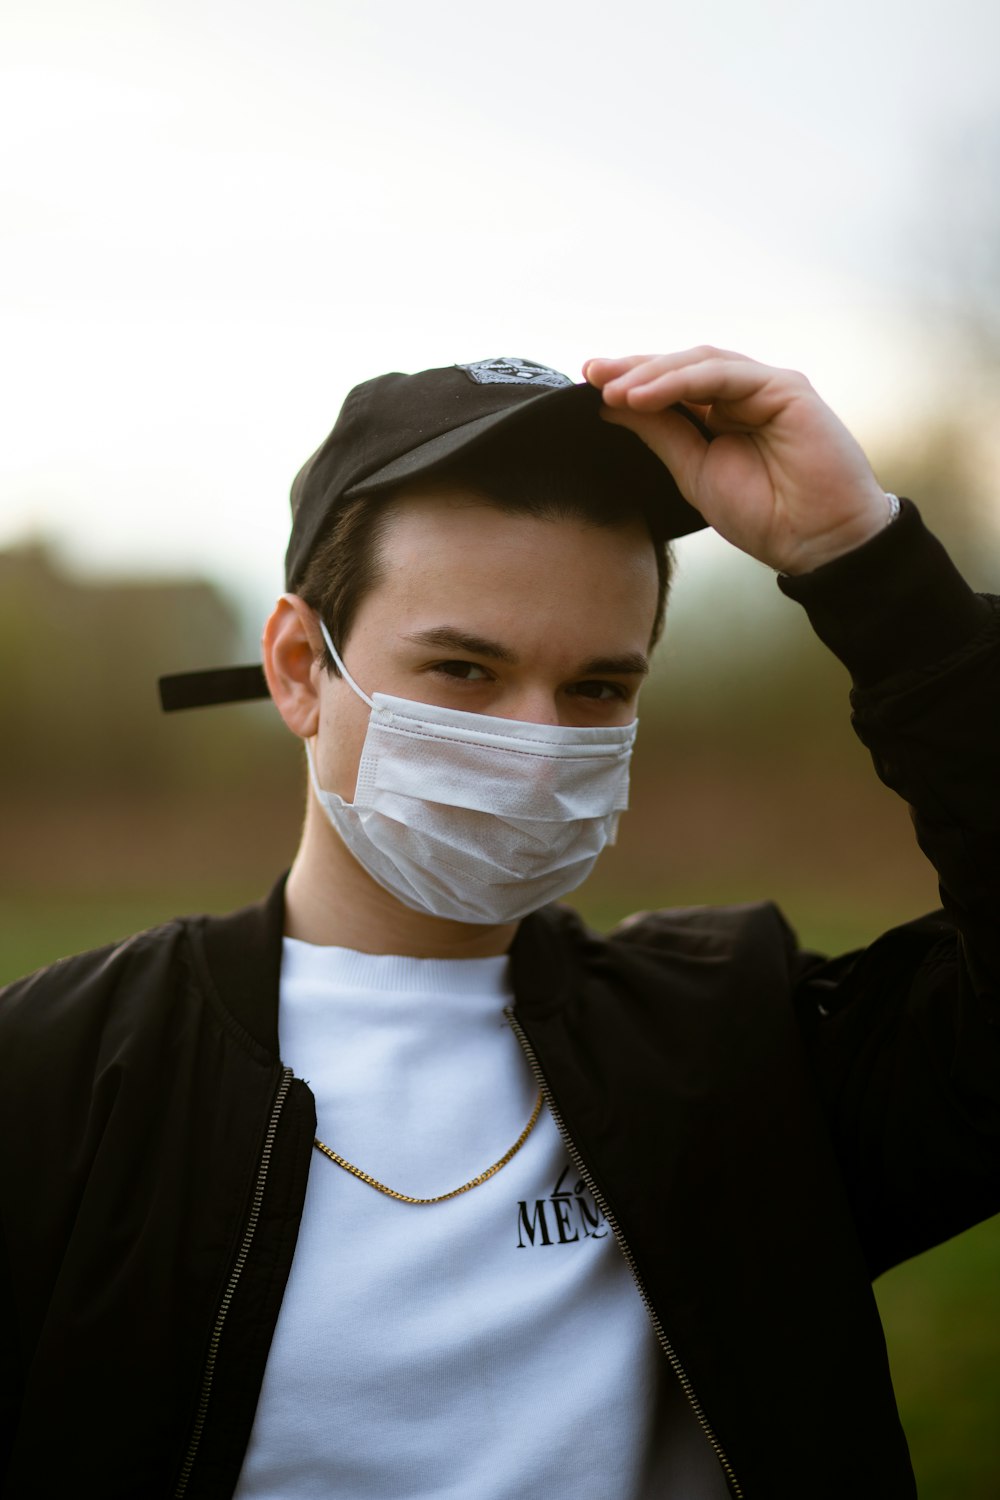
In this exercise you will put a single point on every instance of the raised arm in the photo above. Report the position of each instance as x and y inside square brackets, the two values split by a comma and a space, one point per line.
[904, 1037]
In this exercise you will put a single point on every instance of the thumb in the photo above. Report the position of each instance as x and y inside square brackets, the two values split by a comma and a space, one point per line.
[672, 436]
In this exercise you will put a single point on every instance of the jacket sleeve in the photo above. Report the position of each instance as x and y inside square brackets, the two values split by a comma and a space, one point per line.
[904, 1037]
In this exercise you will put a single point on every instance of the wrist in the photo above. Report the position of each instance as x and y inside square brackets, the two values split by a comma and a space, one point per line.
[847, 539]
[893, 606]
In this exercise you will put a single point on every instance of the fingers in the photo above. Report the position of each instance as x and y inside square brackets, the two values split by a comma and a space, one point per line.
[740, 392]
[707, 384]
[703, 376]
[637, 369]
[599, 371]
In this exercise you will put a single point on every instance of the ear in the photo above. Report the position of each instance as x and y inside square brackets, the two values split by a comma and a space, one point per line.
[293, 649]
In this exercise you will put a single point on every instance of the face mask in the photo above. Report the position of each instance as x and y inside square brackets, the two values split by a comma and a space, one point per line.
[474, 818]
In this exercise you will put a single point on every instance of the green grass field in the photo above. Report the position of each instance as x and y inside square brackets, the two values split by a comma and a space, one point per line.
[941, 1312]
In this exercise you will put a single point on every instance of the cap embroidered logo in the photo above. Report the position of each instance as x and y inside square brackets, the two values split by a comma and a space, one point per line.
[513, 372]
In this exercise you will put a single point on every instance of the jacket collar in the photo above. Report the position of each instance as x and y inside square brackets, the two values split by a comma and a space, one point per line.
[242, 952]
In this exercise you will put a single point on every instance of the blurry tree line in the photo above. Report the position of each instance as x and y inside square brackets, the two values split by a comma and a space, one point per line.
[79, 661]
[100, 789]
[746, 767]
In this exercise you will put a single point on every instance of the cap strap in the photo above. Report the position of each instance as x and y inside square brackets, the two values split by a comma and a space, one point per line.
[202, 689]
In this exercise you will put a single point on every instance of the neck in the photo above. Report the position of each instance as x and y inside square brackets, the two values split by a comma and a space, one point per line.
[332, 901]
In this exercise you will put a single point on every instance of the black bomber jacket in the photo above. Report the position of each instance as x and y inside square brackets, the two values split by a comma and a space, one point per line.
[766, 1129]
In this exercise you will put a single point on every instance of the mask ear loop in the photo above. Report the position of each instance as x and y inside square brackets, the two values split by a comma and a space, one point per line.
[320, 793]
[343, 670]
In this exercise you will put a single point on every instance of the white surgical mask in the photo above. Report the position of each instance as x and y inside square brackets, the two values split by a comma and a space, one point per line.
[476, 818]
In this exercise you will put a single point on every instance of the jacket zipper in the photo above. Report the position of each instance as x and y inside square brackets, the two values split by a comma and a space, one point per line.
[601, 1201]
[234, 1277]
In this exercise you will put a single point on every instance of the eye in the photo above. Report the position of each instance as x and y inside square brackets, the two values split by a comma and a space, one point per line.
[462, 671]
[602, 692]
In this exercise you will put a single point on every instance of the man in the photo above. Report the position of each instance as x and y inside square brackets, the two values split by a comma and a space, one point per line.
[404, 1184]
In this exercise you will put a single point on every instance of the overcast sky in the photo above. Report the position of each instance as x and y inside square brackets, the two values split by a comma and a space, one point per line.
[218, 216]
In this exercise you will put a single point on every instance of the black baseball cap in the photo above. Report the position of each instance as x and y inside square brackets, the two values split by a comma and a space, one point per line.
[397, 428]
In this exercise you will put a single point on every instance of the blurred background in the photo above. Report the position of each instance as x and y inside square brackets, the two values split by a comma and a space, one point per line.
[219, 217]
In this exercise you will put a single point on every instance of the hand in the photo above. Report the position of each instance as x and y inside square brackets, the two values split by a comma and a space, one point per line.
[783, 478]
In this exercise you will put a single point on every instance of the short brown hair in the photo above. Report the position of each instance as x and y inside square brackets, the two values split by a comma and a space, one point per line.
[544, 472]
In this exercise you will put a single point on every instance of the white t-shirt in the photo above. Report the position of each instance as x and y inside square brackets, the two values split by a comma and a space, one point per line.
[484, 1348]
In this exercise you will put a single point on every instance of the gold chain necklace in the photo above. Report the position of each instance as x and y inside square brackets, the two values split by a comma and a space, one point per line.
[442, 1197]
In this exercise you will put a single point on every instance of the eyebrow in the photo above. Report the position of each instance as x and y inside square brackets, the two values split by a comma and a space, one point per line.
[632, 664]
[450, 638]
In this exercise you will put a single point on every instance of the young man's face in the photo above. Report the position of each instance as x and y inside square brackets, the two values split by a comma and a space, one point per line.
[477, 609]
